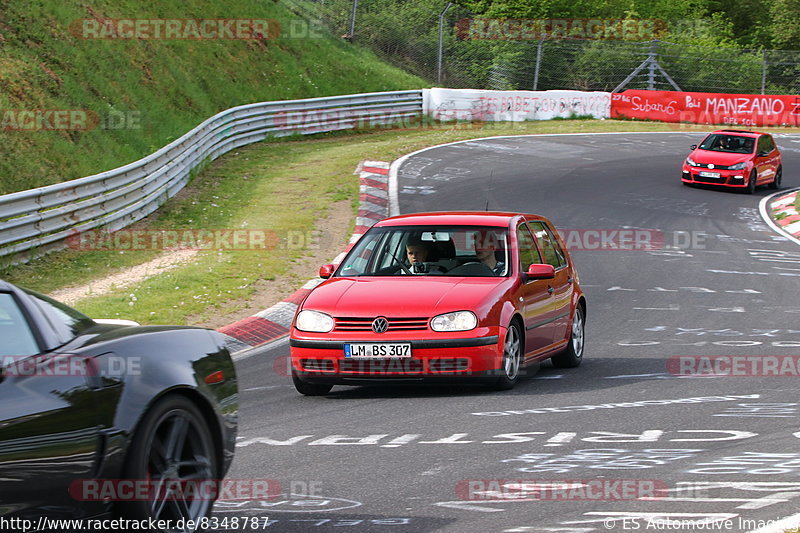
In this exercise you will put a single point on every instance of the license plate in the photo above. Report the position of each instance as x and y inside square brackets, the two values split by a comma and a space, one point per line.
[710, 174]
[383, 350]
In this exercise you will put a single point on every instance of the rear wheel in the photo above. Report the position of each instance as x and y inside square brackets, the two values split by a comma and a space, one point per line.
[174, 454]
[573, 354]
[512, 359]
[310, 389]
[776, 183]
[751, 182]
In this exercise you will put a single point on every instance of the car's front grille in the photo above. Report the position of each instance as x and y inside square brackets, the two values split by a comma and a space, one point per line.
[318, 365]
[395, 323]
[703, 179]
[381, 366]
[449, 365]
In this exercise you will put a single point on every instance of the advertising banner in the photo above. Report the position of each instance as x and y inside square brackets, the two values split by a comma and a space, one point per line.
[742, 110]
[489, 106]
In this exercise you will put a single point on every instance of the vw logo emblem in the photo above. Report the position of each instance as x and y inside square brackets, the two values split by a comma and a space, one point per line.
[380, 325]
[711, 165]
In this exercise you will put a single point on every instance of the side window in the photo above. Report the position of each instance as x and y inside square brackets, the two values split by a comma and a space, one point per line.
[18, 339]
[548, 244]
[770, 143]
[528, 255]
[762, 144]
[66, 322]
[393, 249]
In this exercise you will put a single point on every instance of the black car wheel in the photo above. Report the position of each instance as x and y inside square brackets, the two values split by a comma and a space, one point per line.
[776, 183]
[512, 359]
[310, 389]
[174, 454]
[573, 354]
[751, 183]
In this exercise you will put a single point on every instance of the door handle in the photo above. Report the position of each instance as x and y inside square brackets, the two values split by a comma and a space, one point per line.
[550, 290]
[570, 280]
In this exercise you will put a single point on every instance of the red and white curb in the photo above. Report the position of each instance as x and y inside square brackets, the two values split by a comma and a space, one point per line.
[785, 214]
[779, 211]
[274, 322]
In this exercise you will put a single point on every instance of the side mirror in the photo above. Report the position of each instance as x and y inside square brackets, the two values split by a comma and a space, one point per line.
[326, 271]
[762, 154]
[693, 147]
[539, 272]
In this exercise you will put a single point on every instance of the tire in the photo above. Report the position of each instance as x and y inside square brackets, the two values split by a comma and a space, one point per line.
[173, 441]
[310, 389]
[512, 359]
[572, 356]
[751, 183]
[776, 183]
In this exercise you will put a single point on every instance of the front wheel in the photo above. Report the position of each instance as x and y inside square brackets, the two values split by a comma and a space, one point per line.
[572, 355]
[310, 389]
[173, 452]
[512, 359]
[776, 183]
[751, 183]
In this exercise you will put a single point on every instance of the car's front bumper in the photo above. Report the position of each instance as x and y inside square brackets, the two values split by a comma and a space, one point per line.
[323, 360]
[727, 178]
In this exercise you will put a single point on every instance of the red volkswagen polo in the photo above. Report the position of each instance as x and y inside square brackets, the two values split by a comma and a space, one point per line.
[734, 158]
[459, 295]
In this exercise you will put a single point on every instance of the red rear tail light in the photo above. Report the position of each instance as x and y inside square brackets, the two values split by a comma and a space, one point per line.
[215, 377]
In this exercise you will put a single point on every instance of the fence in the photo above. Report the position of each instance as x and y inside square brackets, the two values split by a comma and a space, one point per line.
[408, 35]
[37, 221]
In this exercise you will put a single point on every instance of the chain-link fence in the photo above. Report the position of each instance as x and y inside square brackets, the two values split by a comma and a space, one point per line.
[435, 40]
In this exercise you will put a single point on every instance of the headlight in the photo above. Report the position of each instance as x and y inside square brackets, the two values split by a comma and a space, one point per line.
[690, 162]
[738, 166]
[314, 321]
[457, 321]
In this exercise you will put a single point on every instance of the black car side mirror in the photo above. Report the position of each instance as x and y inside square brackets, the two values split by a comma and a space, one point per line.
[693, 147]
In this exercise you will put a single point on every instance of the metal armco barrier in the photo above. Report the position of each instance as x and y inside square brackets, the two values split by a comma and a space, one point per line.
[41, 220]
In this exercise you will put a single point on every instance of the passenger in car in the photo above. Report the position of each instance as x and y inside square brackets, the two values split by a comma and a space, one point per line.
[486, 244]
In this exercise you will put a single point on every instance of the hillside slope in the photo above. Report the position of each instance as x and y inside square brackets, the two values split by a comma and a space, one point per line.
[130, 96]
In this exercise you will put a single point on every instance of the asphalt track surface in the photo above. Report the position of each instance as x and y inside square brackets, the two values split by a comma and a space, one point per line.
[700, 454]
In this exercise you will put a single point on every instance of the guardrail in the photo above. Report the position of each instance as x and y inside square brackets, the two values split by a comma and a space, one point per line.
[37, 221]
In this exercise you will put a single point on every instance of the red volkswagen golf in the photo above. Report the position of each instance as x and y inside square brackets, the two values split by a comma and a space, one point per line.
[459, 295]
[734, 158]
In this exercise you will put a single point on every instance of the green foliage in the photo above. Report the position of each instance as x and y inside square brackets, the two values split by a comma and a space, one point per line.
[147, 92]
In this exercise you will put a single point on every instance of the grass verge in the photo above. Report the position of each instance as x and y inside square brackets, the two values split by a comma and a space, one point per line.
[282, 187]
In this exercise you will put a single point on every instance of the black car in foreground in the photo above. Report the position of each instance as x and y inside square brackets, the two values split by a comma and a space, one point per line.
[103, 419]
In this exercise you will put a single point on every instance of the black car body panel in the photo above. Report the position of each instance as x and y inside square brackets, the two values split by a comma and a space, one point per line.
[74, 417]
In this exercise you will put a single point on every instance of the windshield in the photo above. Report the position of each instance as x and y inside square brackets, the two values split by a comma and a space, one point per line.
[734, 144]
[429, 251]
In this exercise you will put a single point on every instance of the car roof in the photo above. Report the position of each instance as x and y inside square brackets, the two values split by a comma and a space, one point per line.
[456, 218]
[5, 286]
[741, 133]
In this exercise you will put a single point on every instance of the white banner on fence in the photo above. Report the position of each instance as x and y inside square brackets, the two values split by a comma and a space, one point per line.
[474, 104]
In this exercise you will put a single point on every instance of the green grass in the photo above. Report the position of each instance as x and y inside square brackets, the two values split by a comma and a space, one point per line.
[281, 186]
[148, 92]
